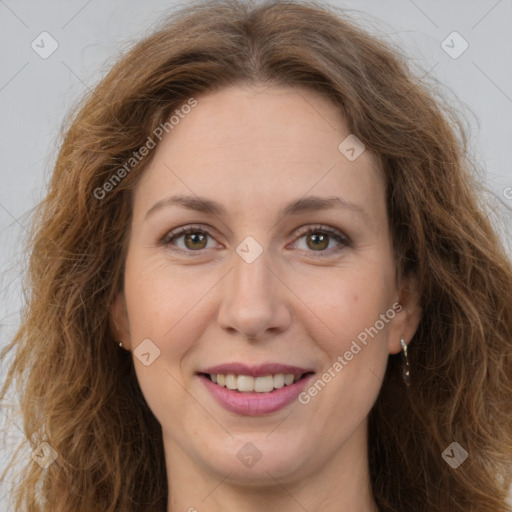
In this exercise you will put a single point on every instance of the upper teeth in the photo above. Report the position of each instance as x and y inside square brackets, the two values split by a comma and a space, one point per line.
[246, 383]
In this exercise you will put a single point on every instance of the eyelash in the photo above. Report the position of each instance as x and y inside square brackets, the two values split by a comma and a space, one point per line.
[179, 232]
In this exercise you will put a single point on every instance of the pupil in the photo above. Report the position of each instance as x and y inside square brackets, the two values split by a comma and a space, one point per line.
[323, 239]
[194, 236]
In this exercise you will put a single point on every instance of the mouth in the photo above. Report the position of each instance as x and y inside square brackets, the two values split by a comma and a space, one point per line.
[255, 390]
[249, 384]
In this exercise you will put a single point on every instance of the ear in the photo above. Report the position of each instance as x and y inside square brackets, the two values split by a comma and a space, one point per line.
[408, 314]
[119, 321]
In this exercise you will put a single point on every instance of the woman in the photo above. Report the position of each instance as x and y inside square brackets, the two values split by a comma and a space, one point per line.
[262, 279]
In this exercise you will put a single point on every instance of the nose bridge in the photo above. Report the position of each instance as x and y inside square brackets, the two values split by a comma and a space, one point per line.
[251, 276]
[251, 302]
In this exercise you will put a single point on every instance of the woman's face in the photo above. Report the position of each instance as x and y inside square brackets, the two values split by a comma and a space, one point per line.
[249, 293]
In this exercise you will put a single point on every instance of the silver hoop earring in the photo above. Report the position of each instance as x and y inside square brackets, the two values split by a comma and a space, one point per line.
[406, 375]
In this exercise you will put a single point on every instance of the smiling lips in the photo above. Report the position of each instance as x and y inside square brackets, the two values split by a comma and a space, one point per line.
[255, 390]
[247, 383]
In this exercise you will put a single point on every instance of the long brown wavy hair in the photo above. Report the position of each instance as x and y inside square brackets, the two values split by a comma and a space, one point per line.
[74, 382]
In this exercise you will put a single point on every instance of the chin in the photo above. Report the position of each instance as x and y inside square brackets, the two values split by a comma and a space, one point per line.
[257, 459]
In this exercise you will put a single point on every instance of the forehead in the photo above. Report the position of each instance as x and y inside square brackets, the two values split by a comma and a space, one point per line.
[276, 142]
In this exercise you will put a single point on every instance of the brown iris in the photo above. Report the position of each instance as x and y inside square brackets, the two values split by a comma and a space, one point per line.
[323, 239]
[195, 237]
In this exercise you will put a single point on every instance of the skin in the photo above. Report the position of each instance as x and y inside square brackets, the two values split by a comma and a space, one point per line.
[254, 150]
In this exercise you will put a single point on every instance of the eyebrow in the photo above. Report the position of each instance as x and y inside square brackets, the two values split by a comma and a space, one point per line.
[299, 206]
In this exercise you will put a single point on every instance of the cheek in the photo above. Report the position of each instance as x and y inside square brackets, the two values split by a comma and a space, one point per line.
[345, 302]
[354, 354]
[353, 339]
[167, 305]
[164, 309]
[354, 349]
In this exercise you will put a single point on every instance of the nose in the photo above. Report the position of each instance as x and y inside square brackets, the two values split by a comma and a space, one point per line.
[255, 300]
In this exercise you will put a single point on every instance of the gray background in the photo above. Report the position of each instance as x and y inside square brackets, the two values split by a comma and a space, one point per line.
[36, 93]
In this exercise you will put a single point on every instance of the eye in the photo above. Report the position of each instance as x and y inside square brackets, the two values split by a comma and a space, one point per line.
[320, 238]
[194, 239]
